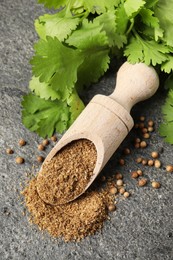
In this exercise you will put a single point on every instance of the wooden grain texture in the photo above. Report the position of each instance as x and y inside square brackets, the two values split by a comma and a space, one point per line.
[106, 120]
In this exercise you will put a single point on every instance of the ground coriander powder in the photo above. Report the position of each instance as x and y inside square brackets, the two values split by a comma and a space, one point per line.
[62, 179]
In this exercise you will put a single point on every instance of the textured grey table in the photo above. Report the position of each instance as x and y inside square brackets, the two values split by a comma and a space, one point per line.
[142, 226]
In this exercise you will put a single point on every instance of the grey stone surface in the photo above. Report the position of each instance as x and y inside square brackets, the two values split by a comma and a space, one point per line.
[142, 226]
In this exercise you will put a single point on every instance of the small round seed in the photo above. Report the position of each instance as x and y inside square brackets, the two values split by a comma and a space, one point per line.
[157, 163]
[40, 158]
[144, 130]
[121, 162]
[150, 123]
[139, 160]
[119, 183]
[137, 145]
[142, 182]
[136, 126]
[144, 161]
[9, 151]
[141, 125]
[134, 175]
[155, 154]
[142, 118]
[113, 190]
[143, 144]
[126, 151]
[150, 129]
[140, 173]
[41, 147]
[122, 190]
[155, 184]
[169, 168]
[19, 160]
[22, 142]
[150, 162]
[126, 194]
[118, 176]
[103, 178]
[111, 207]
[54, 138]
[146, 135]
[45, 142]
[137, 140]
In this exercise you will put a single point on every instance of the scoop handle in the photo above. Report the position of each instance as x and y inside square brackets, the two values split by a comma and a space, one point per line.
[134, 83]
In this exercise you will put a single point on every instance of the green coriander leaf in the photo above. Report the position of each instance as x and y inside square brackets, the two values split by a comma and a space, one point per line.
[100, 6]
[56, 65]
[149, 19]
[164, 11]
[166, 128]
[168, 65]
[44, 116]
[122, 19]
[42, 89]
[107, 21]
[169, 82]
[57, 25]
[150, 3]
[76, 106]
[93, 45]
[53, 3]
[167, 109]
[133, 7]
[147, 51]
[166, 131]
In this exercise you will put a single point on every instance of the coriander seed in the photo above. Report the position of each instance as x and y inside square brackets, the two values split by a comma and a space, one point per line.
[144, 161]
[150, 162]
[155, 154]
[54, 138]
[150, 123]
[143, 144]
[9, 151]
[113, 190]
[122, 190]
[144, 130]
[121, 162]
[22, 142]
[126, 194]
[126, 151]
[111, 207]
[150, 129]
[45, 142]
[41, 147]
[118, 176]
[157, 163]
[169, 168]
[139, 160]
[40, 158]
[119, 183]
[142, 118]
[155, 184]
[140, 173]
[134, 175]
[142, 182]
[146, 135]
[19, 160]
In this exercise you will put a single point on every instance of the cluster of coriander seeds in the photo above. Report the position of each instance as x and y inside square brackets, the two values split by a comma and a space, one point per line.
[41, 147]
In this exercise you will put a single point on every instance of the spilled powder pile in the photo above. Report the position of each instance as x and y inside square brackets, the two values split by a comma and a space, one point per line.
[62, 179]
[72, 221]
[65, 176]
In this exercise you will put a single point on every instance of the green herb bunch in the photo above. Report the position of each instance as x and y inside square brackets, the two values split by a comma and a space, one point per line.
[74, 50]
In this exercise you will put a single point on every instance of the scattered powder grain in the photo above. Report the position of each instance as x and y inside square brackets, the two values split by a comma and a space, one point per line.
[72, 221]
[65, 177]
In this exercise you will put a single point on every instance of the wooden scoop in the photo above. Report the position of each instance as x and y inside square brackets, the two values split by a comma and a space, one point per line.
[106, 120]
